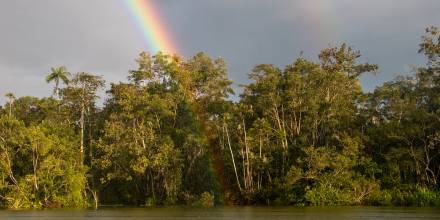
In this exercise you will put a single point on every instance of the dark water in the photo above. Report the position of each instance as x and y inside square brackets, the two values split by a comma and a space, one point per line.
[240, 213]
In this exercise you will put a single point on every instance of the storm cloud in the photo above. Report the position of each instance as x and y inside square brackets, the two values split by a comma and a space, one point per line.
[99, 36]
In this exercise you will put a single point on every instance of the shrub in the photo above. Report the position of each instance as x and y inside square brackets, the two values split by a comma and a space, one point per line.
[326, 194]
[206, 200]
[416, 196]
[380, 198]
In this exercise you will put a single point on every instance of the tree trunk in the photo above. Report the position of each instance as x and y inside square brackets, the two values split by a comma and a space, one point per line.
[81, 122]
[232, 157]
[34, 165]
[248, 177]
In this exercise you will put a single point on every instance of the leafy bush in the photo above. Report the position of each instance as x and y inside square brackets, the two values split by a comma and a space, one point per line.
[326, 194]
[380, 198]
[206, 200]
[416, 196]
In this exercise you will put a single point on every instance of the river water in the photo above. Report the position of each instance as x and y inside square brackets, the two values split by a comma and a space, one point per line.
[239, 213]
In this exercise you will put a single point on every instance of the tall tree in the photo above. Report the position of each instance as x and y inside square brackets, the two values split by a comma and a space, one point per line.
[81, 95]
[11, 99]
[58, 75]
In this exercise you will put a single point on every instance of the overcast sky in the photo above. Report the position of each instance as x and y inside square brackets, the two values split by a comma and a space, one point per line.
[99, 36]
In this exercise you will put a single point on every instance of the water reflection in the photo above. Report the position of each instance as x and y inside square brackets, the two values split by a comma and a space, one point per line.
[235, 213]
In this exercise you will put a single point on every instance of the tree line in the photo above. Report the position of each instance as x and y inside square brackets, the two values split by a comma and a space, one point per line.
[305, 134]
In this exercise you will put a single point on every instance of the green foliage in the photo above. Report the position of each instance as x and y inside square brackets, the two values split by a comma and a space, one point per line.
[165, 153]
[380, 198]
[305, 134]
[415, 196]
[326, 194]
[58, 74]
[39, 166]
[206, 200]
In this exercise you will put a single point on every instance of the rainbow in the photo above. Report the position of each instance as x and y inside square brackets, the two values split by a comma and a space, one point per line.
[149, 21]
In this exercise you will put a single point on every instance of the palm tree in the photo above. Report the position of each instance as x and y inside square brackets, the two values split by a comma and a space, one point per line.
[11, 100]
[58, 74]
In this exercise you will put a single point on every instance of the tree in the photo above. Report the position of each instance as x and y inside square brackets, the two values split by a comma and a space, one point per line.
[305, 134]
[11, 100]
[38, 166]
[139, 157]
[81, 95]
[404, 135]
[58, 74]
[430, 46]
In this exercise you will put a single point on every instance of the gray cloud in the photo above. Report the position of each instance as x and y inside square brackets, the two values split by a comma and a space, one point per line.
[99, 35]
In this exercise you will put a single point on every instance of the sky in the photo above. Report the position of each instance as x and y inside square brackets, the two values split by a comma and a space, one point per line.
[100, 36]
